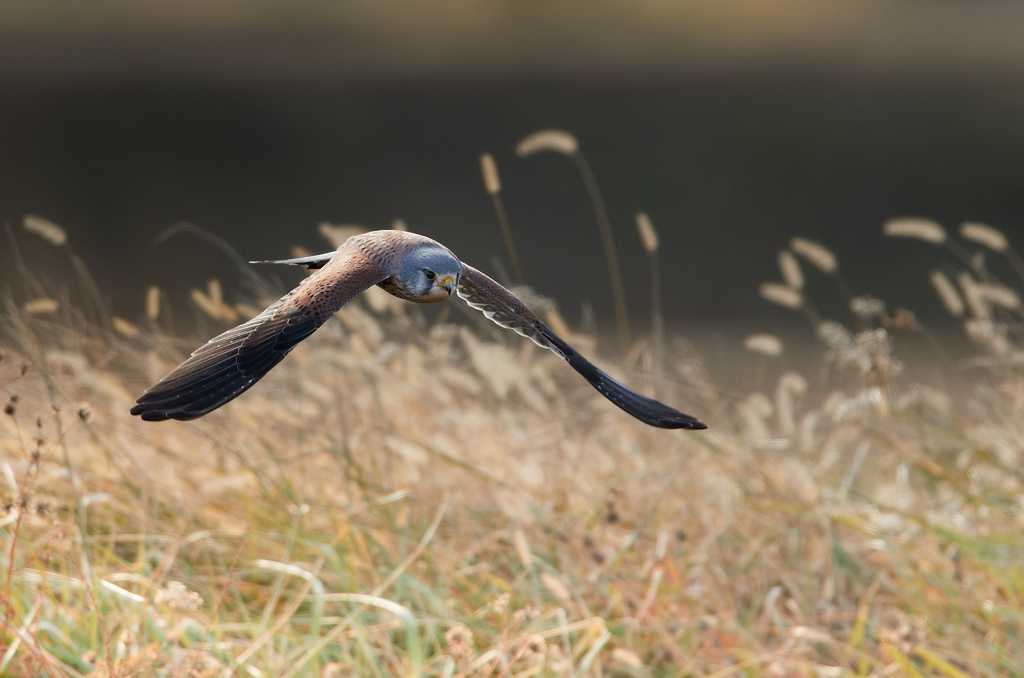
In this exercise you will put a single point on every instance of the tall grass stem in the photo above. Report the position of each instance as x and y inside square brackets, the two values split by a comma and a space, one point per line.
[492, 182]
[614, 271]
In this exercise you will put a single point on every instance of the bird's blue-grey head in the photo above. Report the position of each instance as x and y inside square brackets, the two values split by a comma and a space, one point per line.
[429, 273]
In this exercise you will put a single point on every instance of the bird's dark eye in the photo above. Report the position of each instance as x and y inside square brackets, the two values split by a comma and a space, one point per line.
[430, 275]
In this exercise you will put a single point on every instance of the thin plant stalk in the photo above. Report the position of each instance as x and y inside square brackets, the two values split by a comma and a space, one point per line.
[1015, 261]
[509, 244]
[649, 240]
[614, 272]
[973, 263]
[492, 182]
[810, 312]
[657, 320]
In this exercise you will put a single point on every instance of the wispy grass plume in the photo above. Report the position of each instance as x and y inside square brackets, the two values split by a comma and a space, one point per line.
[993, 239]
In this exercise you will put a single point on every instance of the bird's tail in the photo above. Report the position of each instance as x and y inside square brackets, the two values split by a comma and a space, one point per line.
[313, 262]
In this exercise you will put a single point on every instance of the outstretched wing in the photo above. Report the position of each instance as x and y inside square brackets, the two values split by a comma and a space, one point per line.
[230, 363]
[506, 309]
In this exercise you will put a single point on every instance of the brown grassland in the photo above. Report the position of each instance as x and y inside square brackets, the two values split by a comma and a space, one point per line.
[412, 498]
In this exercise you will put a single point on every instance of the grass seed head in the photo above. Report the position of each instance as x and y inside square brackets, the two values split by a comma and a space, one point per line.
[45, 229]
[791, 384]
[999, 295]
[866, 307]
[459, 639]
[41, 306]
[548, 140]
[915, 227]
[336, 670]
[753, 410]
[790, 269]
[816, 253]
[989, 335]
[178, 597]
[765, 344]
[124, 328]
[947, 293]
[199, 664]
[489, 168]
[215, 291]
[838, 339]
[337, 234]
[204, 303]
[780, 294]
[626, 658]
[648, 236]
[984, 234]
[976, 303]
[212, 302]
[557, 588]
[152, 302]
[522, 547]
[534, 647]
[500, 604]
[905, 319]
[900, 630]
[876, 346]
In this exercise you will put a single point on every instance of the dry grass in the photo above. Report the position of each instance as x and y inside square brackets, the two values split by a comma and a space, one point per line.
[405, 499]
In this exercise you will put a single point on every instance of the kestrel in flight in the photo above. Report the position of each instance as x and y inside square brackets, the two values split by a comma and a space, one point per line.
[409, 266]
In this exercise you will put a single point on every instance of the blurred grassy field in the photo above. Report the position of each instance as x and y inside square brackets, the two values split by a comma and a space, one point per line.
[412, 497]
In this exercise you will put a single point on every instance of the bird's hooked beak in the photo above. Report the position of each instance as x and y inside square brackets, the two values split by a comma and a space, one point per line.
[447, 283]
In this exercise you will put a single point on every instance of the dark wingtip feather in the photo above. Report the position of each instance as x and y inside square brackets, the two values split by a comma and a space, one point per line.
[223, 369]
[647, 410]
[506, 309]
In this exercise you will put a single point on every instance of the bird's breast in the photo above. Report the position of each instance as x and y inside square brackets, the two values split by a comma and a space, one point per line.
[396, 287]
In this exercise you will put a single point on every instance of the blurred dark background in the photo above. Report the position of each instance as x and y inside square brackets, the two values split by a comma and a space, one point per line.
[734, 126]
